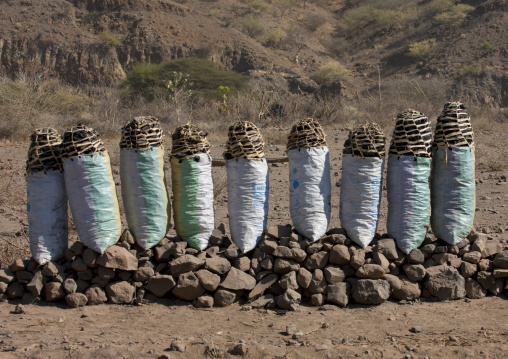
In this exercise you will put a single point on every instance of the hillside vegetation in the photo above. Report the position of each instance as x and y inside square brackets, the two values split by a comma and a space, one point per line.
[343, 62]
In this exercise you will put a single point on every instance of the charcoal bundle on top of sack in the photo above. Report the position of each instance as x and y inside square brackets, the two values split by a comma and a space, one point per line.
[408, 180]
[144, 192]
[453, 176]
[191, 168]
[309, 179]
[46, 196]
[247, 172]
[90, 188]
[362, 177]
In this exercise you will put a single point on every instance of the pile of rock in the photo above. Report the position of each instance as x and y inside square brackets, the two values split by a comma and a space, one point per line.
[282, 271]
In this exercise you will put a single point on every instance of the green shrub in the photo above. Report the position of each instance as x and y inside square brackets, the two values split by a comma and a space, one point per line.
[422, 49]
[274, 38]
[455, 15]
[204, 78]
[253, 26]
[113, 40]
[330, 72]
[487, 46]
[472, 68]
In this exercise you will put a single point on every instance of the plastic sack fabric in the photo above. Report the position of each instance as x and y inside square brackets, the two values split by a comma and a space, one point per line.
[47, 215]
[193, 199]
[360, 197]
[144, 194]
[310, 191]
[408, 200]
[452, 193]
[247, 201]
[92, 199]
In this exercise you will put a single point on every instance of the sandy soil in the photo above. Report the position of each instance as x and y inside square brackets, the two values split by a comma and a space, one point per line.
[459, 329]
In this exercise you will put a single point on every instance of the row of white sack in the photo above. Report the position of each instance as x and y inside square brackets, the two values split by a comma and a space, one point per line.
[88, 184]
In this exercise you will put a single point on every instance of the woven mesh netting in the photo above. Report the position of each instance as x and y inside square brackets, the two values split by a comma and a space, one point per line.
[44, 151]
[189, 140]
[306, 133]
[141, 134]
[454, 127]
[81, 140]
[412, 135]
[244, 141]
[367, 140]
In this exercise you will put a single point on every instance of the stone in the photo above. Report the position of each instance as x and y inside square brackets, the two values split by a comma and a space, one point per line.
[381, 260]
[491, 248]
[472, 257]
[474, 290]
[124, 275]
[210, 281]
[395, 283]
[188, 287]
[387, 247]
[4, 286]
[467, 269]
[267, 263]
[6, 276]
[217, 265]
[143, 274]
[36, 284]
[298, 255]
[242, 263]
[445, 283]
[501, 260]
[267, 300]
[216, 237]
[15, 291]
[317, 300]
[17, 265]
[416, 256]
[212, 251]
[262, 285]
[485, 265]
[416, 329]
[370, 291]
[314, 247]
[51, 270]
[290, 300]
[357, 257]
[288, 281]
[79, 264]
[339, 254]
[282, 252]
[102, 281]
[127, 237]
[268, 245]
[70, 286]
[75, 300]
[238, 280]
[160, 284]
[409, 290]
[488, 282]
[120, 292]
[370, 271]
[85, 275]
[78, 248]
[204, 301]
[54, 291]
[96, 295]
[239, 349]
[338, 294]
[82, 285]
[177, 345]
[224, 297]
[282, 266]
[415, 272]
[291, 329]
[186, 263]
[304, 277]
[316, 261]
[163, 253]
[318, 283]
[105, 273]
[500, 273]
[178, 249]
[278, 231]
[116, 257]
[334, 274]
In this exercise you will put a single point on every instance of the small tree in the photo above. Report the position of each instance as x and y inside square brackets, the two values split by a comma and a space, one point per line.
[331, 72]
[455, 16]
[224, 105]
[177, 87]
[422, 49]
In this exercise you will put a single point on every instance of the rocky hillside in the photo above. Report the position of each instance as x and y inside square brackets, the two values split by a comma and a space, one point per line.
[283, 44]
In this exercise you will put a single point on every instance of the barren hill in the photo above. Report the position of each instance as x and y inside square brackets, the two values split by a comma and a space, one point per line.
[282, 43]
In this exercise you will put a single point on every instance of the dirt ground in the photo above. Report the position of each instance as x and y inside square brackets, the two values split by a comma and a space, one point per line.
[458, 329]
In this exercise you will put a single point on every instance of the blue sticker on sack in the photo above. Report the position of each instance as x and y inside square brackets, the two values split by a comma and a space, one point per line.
[296, 184]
